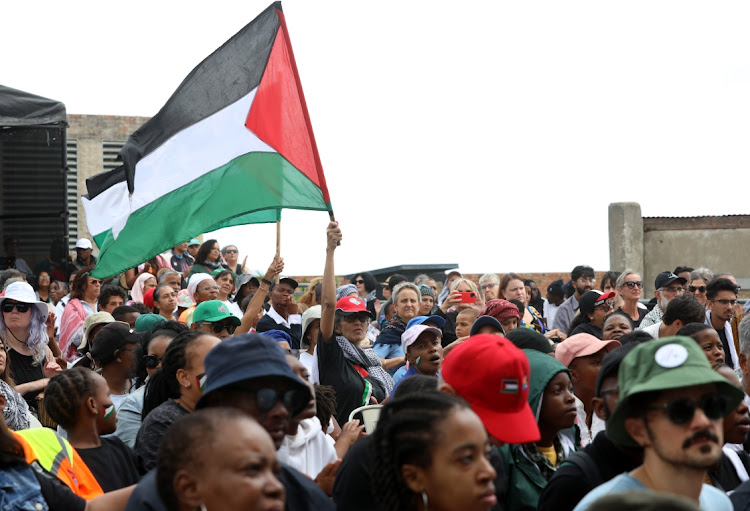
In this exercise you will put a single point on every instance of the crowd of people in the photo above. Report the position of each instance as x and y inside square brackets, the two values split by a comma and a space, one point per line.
[189, 383]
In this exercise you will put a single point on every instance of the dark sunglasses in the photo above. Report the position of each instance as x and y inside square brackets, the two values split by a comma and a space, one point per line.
[359, 281]
[362, 317]
[700, 289]
[151, 361]
[637, 284]
[681, 411]
[20, 307]
[267, 399]
[231, 251]
[218, 327]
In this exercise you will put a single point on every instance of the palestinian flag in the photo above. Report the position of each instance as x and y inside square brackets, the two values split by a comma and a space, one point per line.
[232, 146]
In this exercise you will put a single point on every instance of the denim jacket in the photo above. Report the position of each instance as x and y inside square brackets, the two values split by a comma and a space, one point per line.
[20, 490]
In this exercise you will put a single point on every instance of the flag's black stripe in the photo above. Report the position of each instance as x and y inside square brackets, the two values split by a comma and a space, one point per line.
[222, 78]
[100, 182]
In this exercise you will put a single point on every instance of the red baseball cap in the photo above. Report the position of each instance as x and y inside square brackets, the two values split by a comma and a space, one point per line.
[492, 374]
[351, 305]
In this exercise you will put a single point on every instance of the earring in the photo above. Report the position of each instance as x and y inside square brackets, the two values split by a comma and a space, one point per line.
[425, 504]
[202, 507]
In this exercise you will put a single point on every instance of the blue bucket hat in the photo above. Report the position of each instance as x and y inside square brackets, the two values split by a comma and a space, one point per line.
[247, 357]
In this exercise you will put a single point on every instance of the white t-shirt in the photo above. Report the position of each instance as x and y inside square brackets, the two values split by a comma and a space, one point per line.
[309, 451]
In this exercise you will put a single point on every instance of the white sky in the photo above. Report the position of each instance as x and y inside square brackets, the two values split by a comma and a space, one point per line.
[489, 134]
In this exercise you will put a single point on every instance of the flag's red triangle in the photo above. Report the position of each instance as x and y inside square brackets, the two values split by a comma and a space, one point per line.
[279, 115]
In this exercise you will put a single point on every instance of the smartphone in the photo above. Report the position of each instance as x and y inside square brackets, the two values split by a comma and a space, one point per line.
[468, 297]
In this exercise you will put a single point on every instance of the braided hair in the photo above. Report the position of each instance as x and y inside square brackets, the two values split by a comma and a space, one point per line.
[163, 383]
[325, 404]
[66, 392]
[405, 435]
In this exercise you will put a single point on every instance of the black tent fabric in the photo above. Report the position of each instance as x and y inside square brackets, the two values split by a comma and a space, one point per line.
[19, 108]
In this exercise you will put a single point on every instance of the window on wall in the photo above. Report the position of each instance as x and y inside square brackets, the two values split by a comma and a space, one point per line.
[72, 187]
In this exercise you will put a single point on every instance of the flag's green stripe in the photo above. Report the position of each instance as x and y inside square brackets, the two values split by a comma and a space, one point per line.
[249, 189]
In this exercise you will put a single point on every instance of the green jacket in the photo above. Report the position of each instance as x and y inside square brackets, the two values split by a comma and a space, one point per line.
[525, 480]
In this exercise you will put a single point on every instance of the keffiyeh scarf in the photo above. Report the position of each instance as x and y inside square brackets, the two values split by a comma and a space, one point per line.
[16, 411]
[367, 359]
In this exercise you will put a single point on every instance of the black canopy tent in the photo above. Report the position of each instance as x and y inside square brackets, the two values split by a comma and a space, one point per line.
[33, 168]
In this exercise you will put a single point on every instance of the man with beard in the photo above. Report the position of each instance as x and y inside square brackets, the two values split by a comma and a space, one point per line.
[722, 297]
[672, 404]
[582, 278]
[667, 286]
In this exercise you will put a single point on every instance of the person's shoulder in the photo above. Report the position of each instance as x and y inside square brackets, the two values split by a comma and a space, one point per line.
[302, 492]
[714, 499]
[145, 496]
[266, 322]
[619, 484]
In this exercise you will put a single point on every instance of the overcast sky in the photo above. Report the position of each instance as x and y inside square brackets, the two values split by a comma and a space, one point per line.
[489, 134]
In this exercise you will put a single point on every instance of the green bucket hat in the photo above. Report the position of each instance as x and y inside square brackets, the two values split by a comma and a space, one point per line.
[663, 364]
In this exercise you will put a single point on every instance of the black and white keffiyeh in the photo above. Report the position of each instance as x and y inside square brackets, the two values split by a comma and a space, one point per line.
[368, 360]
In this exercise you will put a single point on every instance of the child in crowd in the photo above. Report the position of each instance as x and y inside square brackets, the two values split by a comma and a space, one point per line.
[464, 320]
[530, 466]
[78, 400]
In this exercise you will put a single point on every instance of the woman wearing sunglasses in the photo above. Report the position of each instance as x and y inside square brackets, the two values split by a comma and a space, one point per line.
[629, 286]
[84, 294]
[593, 308]
[23, 330]
[699, 279]
[172, 390]
[150, 353]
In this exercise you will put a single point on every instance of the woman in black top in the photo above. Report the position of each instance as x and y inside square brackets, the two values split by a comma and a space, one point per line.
[356, 374]
[23, 329]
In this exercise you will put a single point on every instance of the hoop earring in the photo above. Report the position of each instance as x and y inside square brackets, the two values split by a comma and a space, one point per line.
[425, 503]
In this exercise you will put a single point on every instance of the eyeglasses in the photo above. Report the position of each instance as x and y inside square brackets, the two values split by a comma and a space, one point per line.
[359, 281]
[20, 307]
[151, 361]
[43, 277]
[681, 411]
[638, 284]
[726, 302]
[700, 289]
[210, 288]
[96, 282]
[485, 287]
[609, 304]
[231, 251]
[673, 289]
[586, 280]
[218, 327]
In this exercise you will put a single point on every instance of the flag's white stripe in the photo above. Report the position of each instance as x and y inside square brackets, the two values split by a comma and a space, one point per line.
[198, 149]
[105, 208]
[186, 156]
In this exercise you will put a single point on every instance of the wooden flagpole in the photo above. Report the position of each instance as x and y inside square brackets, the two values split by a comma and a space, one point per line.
[278, 239]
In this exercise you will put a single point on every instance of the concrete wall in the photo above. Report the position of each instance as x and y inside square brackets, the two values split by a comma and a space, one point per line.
[653, 245]
[90, 131]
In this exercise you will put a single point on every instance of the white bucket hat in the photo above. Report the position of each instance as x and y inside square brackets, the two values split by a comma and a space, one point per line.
[24, 293]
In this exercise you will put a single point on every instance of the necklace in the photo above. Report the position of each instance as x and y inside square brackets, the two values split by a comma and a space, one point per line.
[24, 347]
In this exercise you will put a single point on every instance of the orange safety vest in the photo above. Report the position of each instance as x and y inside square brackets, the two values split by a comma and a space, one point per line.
[58, 457]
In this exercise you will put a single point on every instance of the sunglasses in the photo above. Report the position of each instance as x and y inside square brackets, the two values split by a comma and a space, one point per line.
[359, 281]
[231, 251]
[218, 327]
[20, 307]
[638, 284]
[681, 411]
[606, 306]
[268, 398]
[151, 361]
[362, 317]
[700, 289]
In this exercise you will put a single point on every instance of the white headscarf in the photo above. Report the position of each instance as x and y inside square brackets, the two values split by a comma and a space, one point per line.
[196, 279]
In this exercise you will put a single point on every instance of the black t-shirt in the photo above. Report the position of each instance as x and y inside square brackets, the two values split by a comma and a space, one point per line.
[587, 328]
[725, 476]
[24, 371]
[335, 370]
[449, 328]
[113, 464]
